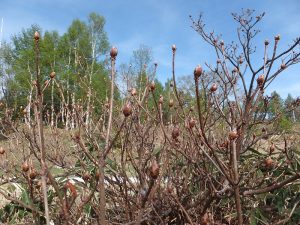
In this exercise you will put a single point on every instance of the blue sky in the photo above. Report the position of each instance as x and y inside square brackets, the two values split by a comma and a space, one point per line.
[161, 23]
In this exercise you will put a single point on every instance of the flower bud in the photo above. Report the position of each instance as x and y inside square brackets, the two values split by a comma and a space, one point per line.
[171, 103]
[198, 71]
[36, 36]
[32, 174]
[174, 48]
[154, 170]
[86, 176]
[133, 92]
[152, 86]
[175, 133]
[127, 110]
[192, 123]
[113, 52]
[272, 148]
[269, 163]
[2, 150]
[260, 80]
[213, 88]
[52, 75]
[232, 135]
[161, 99]
[266, 42]
[25, 167]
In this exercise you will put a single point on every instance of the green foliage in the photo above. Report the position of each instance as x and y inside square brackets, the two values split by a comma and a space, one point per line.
[76, 56]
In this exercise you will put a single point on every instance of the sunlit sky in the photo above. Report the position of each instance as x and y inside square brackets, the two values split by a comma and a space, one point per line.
[161, 23]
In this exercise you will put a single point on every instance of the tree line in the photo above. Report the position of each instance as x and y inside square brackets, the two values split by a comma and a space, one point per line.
[79, 58]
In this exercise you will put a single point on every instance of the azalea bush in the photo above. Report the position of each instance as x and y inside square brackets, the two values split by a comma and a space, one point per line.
[218, 158]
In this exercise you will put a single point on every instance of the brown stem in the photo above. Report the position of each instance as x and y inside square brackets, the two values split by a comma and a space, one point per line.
[39, 118]
[273, 186]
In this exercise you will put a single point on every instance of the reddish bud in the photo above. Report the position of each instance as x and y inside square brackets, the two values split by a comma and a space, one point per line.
[266, 42]
[32, 174]
[97, 175]
[39, 184]
[175, 133]
[113, 52]
[174, 48]
[133, 92]
[169, 189]
[86, 176]
[25, 167]
[192, 123]
[154, 170]
[233, 135]
[171, 103]
[277, 37]
[269, 162]
[36, 36]
[272, 148]
[152, 86]
[52, 75]
[205, 219]
[161, 99]
[282, 66]
[224, 144]
[197, 71]
[260, 80]
[127, 110]
[2, 150]
[214, 87]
